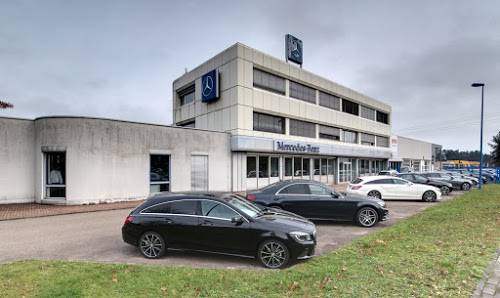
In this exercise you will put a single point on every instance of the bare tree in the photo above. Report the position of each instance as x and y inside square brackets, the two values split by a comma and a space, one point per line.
[5, 105]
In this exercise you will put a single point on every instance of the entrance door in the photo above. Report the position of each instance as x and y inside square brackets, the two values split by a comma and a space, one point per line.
[345, 171]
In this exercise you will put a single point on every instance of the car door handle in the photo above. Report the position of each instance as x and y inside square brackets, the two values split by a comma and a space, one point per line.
[315, 198]
[207, 223]
[168, 220]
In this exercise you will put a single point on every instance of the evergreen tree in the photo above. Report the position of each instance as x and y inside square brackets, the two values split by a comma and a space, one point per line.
[495, 145]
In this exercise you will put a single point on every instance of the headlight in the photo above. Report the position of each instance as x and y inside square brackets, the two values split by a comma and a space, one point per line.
[300, 236]
[381, 203]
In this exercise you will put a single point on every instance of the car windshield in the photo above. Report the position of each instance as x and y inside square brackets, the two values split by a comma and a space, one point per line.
[243, 204]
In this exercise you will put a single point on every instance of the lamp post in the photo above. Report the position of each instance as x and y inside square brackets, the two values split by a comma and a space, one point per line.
[481, 136]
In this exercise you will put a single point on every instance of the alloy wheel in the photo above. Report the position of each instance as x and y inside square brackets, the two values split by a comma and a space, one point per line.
[367, 217]
[152, 245]
[273, 254]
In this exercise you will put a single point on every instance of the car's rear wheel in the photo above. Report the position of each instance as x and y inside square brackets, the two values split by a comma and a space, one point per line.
[273, 254]
[445, 190]
[465, 186]
[152, 245]
[429, 196]
[367, 217]
[374, 193]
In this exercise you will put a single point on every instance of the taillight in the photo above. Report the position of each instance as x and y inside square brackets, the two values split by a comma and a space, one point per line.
[251, 197]
[357, 187]
[129, 219]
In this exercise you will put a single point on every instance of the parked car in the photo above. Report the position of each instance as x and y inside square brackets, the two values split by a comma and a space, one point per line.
[460, 184]
[219, 222]
[316, 201]
[444, 186]
[473, 180]
[393, 188]
[388, 173]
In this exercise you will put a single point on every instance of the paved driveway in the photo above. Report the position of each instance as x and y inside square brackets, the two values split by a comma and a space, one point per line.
[96, 237]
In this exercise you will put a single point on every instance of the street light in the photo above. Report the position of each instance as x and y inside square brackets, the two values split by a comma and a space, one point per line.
[481, 137]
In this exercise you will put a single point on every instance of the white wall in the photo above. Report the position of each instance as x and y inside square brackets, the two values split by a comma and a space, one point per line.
[16, 160]
[108, 160]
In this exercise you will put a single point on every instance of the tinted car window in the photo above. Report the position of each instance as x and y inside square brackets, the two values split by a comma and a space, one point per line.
[216, 209]
[397, 181]
[184, 207]
[380, 181]
[319, 190]
[407, 177]
[296, 189]
[357, 181]
[160, 208]
[420, 179]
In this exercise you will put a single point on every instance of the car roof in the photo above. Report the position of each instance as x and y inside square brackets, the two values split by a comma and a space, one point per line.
[372, 178]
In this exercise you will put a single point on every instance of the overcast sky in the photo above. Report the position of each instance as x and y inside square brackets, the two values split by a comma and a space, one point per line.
[118, 59]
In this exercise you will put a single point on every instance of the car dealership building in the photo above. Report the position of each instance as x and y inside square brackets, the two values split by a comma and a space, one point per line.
[242, 120]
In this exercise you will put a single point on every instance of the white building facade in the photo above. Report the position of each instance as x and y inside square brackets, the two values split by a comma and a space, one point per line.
[285, 122]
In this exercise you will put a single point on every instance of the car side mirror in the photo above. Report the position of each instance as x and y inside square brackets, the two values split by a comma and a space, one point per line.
[237, 219]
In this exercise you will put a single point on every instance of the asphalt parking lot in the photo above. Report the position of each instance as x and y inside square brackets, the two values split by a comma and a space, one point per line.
[96, 237]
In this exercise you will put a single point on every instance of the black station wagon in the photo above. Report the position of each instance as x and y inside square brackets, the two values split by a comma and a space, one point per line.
[223, 223]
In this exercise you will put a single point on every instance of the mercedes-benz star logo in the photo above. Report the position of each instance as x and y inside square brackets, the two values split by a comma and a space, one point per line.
[295, 48]
[208, 85]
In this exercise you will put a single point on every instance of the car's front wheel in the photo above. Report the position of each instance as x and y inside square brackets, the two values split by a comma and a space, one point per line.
[273, 254]
[445, 190]
[367, 217]
[374, 193]
[429, 196]
[152, 245]
[465, 186]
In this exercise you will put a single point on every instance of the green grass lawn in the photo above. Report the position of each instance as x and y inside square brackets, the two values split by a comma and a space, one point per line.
[441, 252]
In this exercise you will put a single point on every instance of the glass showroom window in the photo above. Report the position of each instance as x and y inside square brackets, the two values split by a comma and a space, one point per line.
[55, 184]
[302, 128]
[275, 167]
[269, 82]
[159, 173]
[187, 95]
[349, 137]
[288, 166]
[263, 166]
[350, 107]
[251, 166]
[302, 92]
[268, 123]
[329, 101]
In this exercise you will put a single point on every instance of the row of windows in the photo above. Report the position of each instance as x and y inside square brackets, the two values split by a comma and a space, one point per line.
[275, 124]
[264, 166]
[274, 83]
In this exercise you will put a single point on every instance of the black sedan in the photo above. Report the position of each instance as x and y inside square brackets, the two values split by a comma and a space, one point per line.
[222, 223]
[317, 201]
[460, 184]
[444, 186]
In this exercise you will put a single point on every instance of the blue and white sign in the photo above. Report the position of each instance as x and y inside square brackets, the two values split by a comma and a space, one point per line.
[295, 147]
[210, 86]
[294, 49]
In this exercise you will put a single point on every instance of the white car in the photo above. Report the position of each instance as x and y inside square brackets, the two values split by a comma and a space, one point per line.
[393, 188]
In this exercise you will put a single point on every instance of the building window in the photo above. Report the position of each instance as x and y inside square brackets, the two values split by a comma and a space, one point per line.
[302, 92]
[364, 166]
[199, 172]
[328, 132]
[367, 113]
[186, 95]
[350, 107]
[382, 142]
[382, 117]
[269, 82]
[349, 137]
[367, 139]
[275, 167]
[302, 128]
[288, 166]
[329, 101]
[251, 166]
[55, 185]
[159, 173]
[191, 124]
[267, 123]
